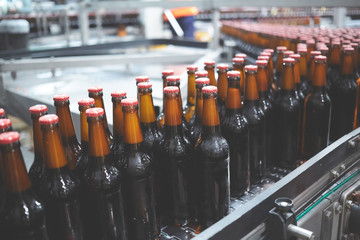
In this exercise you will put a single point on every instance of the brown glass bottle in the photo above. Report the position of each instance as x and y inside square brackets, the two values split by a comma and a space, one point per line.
[196, 120]
[165, 74]
[2, 113]
[37, 169]
[138, 181]
[97, 94]
[311, 69]
[310, 46]
[71, 145]
[61, 189]
[357, 106]
[334, 67]
[210, 68]
[160, 119]
[235, 129]
[5, 126]
[190, 104]
[304, 86]
[317, 109]
[104, 218]
[201, 74]
[257, 128]
[222, 88]
[343, 97]
[118, 124]
[150, 131]
[272, 86]
[278, 68]
[238, 65]
[286, 120]
[173, 155]
[140, 79]
[212, 163]
[22, 215]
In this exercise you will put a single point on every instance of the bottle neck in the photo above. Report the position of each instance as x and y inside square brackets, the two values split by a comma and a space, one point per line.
[54, 155]
[347, 67]
[279, 61]
[287, 77]
[98, 144]
[251, 90]
[16, 178]
[199, 104]
[211, 75]
[303, 65]
[262, 79]
[233, 99]
[297, 72]
[66, 125]
[147, 111]
[118, 118]
[179, 99]
[172, 110]
[210, 111]
[83, 124]
[335, 56]
[319, 75]
[191, 88]
[37, 136]
[99, 102]
[132, 129]
[222, 84]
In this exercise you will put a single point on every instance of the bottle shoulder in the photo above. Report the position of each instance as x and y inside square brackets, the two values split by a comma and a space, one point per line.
[287, 102]
[174, 146]
[137, 164]
[318, 100]
[61, 183]
[253, 113]
[215, 147]
[234, 123]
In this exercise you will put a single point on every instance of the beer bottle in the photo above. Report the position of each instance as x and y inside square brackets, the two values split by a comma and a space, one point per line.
[278, 68]
[138, 186]
[212, 164]
[190, 105]
[222, 87]
[104, 218]
[317, 109]
[165, 74]
[256, 120]
[357, 106]
[334, 68]
[310, 46]
[61, 189]
[160, 119]
[272, 86]
[118, 124]
[2, 113]
[148, 125]
[37, 169]
[343, 96]
[173, 155]
[5, 126]
[196, 120]
[286, 120]
[97, 94]
[238, 65]
[241, 55]
[287, 53]
[210, 68]
[201, 74]
[22, 215]
[304, 86]
[312, 65]
[235, 129]
[84, 104]
[140, 79]
[355, 59]
[71, 145]
[265, 103]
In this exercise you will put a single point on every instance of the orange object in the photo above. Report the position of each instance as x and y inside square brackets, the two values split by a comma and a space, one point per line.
[183, 12]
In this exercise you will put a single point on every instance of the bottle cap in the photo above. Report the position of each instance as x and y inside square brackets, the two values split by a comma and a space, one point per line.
[288, 52]
[129, 102]
[265, 54]
[349, 49]
[266, 58]
[192, 68]
[118, 94]
[173, 78]
[145, 85]
[209, 63]
[209, 89]
[250, 68]
[86, 102]
[61, 97]
[295, 56]
[39, 108]
[288, 60]
[95, 89]
[94, 112]
[261, 62]
[323, 48]
[201, 74]
[202, 81]
[280, 48]
[315, 53]
[9, 137]
[233, 74]
[320, 58]
[240, 55]
[48, 119]
[142, 79]
[222, 66]
[5, 123]
[167, 72]
[302, 50]
[2, 112]
[269, 50]
[238, 60]
[310, 41]
[171, 89]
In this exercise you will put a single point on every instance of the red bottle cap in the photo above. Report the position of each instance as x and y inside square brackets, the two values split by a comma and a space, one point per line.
[86, 102]
[310, 41]
[209, 89]
[295, 56]
[348, 49]
[145, 85]
[315, 53]
[192, 68]
[129, 102]
[167, 72]
[288, 60]
[238, 60]
[233, 74]
[302, 50]
[61, 97]
[288, 52]
[201, 74]
[250, 68]
[269, 50]
[265, 54]
[323, 48]
[280, 48]
[202, 81]
[171, 89]
[9, 137]
[142, 79]
[95, 89]
[48, 119]
[240, 55]
[266, 58]
[5, 123]
[2, 112]
[222, 66]
[320, 58]
[209, 63]
[118, 94]
[94, 112]
[261, 62]
[172, 78]
[39, 108]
